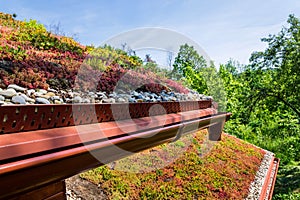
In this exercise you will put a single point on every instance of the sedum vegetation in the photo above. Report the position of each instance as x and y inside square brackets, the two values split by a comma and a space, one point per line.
[32, 57]
[225, 172]
[263, 97]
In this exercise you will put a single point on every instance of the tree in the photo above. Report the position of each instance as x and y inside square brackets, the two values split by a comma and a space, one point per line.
[188, 56]
[170, 55]
[275, 73]
[126, 48]
[187, 67]
[192, 68]
[148, 59]
[150, 64]
[264, 100]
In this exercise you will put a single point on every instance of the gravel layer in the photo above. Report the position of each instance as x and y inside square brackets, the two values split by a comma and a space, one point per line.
[257, 185]
[80, 189]
[15, 94]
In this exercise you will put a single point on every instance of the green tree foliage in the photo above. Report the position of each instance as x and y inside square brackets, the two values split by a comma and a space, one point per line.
[150, 64]
[265, 100]
[186, 60]
[193, 70]
[188, 55]
[193, 79]
[234, 88]
[279, 65]
[187, 67]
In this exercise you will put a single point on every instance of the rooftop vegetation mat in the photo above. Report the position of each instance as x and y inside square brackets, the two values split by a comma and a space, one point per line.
[223, 170]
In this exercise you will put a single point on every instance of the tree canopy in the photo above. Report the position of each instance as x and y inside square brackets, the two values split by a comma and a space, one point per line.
[186, 59]
[277, 69]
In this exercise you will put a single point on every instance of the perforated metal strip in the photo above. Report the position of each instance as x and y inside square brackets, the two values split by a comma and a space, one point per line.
[16, 118]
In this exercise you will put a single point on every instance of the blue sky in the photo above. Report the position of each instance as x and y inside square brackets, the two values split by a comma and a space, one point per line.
[223, 28]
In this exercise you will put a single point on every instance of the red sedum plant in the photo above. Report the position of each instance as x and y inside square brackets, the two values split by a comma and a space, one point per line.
[32, 57]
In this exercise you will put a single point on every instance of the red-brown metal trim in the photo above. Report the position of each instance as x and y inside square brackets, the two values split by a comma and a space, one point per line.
[25, 143]
[277, 162]
[269, 184]
[27, 174]
[196, 124]
[273, 181]
[266, 183]
[34, 172]
[20, 118]
[54, 191]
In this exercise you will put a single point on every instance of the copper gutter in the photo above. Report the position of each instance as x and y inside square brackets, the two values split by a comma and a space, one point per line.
[36, 158]
[269, 184]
